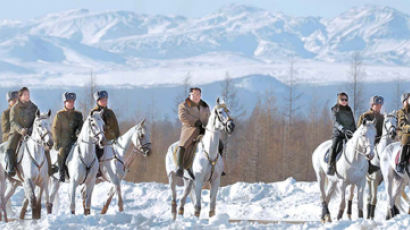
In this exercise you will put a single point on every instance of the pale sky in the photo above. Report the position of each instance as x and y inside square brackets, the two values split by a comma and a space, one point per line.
[24, 9]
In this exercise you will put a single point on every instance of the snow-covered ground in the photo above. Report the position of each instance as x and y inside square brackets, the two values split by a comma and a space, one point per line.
[147, 206]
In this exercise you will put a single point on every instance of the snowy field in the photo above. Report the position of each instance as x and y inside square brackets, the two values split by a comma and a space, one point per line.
[288, 204]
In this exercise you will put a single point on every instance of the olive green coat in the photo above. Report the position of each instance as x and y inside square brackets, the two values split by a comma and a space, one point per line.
[188, 114]
[22, 115]
[403, 121]
[66, 126]
[371, 115]
[111, 128]
[5, 123]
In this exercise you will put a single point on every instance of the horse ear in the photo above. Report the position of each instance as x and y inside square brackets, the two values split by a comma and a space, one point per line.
[38, 113]
[49, 113]
[142, 122]
[217, 101]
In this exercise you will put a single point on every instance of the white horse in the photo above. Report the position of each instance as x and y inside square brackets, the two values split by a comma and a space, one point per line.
[113, 167]
[351, 168]
[207, 164]
[32, 167]
[82, 162]
[3, 212]
[394, 181]
[375, 178]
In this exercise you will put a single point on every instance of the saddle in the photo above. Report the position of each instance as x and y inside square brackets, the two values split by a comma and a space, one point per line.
[339, 150]
[189, 154]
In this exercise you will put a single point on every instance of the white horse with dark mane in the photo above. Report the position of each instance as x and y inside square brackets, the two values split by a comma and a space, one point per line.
[207, 164]
[32, 167]
[113, 167]
[352, 168]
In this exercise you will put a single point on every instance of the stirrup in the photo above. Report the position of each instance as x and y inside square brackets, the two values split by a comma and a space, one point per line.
[331, 170]
[180, 172]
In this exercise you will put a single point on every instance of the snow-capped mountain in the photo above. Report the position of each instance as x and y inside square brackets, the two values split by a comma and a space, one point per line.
[121, 43]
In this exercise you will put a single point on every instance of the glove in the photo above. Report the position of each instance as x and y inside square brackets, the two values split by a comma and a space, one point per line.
[198, 123]
[24, 131]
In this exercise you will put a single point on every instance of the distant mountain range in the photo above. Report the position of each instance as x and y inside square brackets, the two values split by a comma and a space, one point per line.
[122, 47]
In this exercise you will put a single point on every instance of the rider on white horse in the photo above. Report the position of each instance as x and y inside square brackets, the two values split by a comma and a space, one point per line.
[343, 126]
[22, 116]
[403, 118]
[376, 103]
[193, 114]
[111, 128]
[5, 116]
[66, 126]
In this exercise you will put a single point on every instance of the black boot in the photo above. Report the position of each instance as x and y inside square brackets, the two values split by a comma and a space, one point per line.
[180, 161]
[402, 160]
[11, 163]
[331, 169]
[61, 168]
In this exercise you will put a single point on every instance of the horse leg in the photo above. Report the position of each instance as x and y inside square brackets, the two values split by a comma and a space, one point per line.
[47, 197]
[360, 191]
[73, 186]
[350, 195]
[89, 187]
[197, 190]
[373, 188]
[172, 185]
[54, 190]
[107, 203]
[213, 194]
[2, 198]
[30, 195]
[321, 179]
[24, 209]
[342, 201]
[325, 209]
[120, 200]
[187, 191]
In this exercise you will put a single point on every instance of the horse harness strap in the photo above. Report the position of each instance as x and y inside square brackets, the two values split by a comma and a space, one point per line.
[34, 160]
[212, 162]
[87, 168]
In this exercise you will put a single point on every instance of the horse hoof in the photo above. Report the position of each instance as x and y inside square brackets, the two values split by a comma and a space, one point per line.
[197, 213]
[211, 214]
[174, 207]
[340, 214]
[181, 211]
[349, 216]
[326, 219]
[49, 208]
[73, 212]
[87, 211]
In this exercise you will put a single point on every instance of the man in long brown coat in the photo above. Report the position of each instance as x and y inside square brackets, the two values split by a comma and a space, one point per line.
[194, 114]
[5, 116]
[376, 103]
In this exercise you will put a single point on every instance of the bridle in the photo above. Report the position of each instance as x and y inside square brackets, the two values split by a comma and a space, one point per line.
[94, 135]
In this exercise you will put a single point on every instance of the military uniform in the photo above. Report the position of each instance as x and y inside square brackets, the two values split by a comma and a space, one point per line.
[5, 123]
[22, 117]
[66, 126]
[371, 115]
[111, 128]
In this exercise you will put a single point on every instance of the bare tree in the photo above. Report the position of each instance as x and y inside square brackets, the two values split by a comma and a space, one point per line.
[87, 103]
[397, 93]
[357, 74]
[186, 84]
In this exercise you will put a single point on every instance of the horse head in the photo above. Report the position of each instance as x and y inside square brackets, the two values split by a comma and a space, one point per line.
[141, 139]
[366, 138]
[390, 124]
[96, 127]
[41, 128]
[223, 120]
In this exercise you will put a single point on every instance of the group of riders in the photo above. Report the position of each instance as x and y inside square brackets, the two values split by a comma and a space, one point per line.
[17, 122]
[344, 126]
[18, 119]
